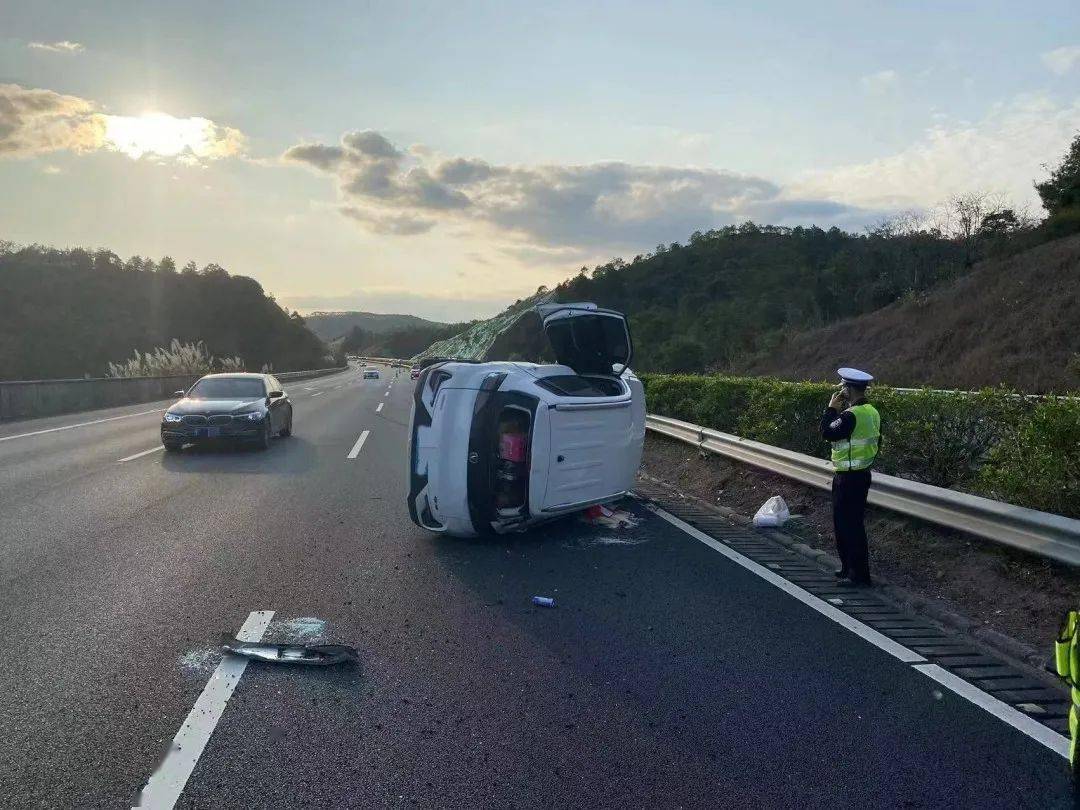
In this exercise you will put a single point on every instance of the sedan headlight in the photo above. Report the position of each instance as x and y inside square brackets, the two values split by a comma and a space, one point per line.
[251, 416]
[173, 417]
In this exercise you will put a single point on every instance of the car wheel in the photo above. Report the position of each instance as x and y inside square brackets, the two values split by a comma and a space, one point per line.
[287, 430]
[171, 447]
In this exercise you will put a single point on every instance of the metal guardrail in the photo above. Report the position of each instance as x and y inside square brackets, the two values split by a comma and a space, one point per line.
[1030, 530]
[306, 375]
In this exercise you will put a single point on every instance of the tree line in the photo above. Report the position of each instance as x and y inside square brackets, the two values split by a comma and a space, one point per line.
[72, 312]
[399, 342]
[729, 293]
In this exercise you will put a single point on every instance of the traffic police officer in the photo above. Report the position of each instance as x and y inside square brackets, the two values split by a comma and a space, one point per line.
[1067, 658]
[853, 426]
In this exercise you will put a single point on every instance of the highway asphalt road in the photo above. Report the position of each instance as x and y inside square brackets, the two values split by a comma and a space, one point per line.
[667, 675]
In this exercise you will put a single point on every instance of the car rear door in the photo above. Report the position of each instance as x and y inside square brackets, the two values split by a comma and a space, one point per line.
[588, 339]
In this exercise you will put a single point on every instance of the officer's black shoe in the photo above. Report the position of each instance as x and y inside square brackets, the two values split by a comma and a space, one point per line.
[842, 574]
[848, 582]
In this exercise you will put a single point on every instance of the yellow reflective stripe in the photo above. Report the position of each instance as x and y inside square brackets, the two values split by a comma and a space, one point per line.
[1061, 658]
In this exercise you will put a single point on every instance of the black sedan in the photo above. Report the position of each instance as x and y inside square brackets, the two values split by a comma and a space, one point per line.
[234, 407]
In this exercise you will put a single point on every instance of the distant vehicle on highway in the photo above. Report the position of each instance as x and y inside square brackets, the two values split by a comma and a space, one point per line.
[250, 408]
[497, 447]
[371, 373]
[414, 374]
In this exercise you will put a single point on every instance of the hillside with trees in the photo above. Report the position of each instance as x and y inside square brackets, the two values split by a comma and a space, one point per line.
[333, 325]
[745, 297]
[400, 342]
[72, 312]
[1011, 320]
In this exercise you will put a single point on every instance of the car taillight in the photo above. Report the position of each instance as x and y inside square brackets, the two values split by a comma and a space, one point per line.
[437, 378]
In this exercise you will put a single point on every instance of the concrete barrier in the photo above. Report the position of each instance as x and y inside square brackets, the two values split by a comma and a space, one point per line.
[27, 399]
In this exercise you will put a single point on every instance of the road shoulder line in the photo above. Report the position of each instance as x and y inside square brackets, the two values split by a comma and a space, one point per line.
[999, 709]
[1002, 711]
[879, 640]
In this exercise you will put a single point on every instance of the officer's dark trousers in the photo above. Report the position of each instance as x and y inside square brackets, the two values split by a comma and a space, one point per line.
[849, 490]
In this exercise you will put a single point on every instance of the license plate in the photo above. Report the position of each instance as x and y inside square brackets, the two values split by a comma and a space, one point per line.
[207, 433]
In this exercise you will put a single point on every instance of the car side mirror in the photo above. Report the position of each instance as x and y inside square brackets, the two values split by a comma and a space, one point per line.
[179, 394]
[276, 394]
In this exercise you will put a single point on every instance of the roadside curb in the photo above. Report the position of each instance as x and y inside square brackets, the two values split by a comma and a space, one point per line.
[1019, 653]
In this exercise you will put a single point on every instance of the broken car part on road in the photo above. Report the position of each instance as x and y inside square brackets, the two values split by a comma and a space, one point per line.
[317, 655]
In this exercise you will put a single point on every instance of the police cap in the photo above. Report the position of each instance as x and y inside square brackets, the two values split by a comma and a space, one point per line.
[854, 377]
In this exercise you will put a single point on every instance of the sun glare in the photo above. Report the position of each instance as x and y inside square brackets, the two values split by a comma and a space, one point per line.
[165, 136]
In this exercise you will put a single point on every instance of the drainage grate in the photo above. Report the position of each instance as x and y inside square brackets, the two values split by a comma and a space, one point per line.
[1036, 698]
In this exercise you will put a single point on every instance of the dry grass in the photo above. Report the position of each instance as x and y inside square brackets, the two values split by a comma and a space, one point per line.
[1010, 321]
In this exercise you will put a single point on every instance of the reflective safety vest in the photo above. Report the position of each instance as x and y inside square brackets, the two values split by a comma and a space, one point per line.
[859, 451]
[1067, 658]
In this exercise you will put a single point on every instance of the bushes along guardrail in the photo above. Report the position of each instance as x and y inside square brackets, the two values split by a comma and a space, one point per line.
[991, 442]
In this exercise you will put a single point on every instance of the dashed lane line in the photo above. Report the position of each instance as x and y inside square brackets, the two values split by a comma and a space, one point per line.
[380, 407]
[165, 785]
[140, 455]
[356, 448]
[318, 394]
[79, 425]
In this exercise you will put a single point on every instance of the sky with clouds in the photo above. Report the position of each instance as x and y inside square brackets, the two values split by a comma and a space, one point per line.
[447, 158]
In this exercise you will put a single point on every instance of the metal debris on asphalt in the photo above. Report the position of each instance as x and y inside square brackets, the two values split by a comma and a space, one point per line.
[318, 655]
[601, 515]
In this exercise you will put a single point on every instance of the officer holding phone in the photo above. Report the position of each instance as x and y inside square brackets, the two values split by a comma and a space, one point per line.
[853, 426]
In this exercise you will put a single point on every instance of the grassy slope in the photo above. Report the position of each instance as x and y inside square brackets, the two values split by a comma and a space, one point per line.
[1009, 321]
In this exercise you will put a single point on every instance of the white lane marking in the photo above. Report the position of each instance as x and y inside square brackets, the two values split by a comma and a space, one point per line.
[143, 453]
[356, 448]
[879, 640]
[165, 785]
[387, 393]
[308, 388]
[1002, 711]
[318, 394]
[380, 407]
[81, 424]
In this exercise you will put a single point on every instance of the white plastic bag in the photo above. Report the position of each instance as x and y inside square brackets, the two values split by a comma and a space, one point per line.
[774, 512]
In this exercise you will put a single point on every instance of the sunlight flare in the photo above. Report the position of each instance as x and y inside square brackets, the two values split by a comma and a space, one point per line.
[187, 139]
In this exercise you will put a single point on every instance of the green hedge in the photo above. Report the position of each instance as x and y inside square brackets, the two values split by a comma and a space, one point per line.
[993, 442]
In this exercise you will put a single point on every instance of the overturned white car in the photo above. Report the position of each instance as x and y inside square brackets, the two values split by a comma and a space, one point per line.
[496, 447]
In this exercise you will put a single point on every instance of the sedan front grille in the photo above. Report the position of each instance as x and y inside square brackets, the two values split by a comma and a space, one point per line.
[214, 419]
